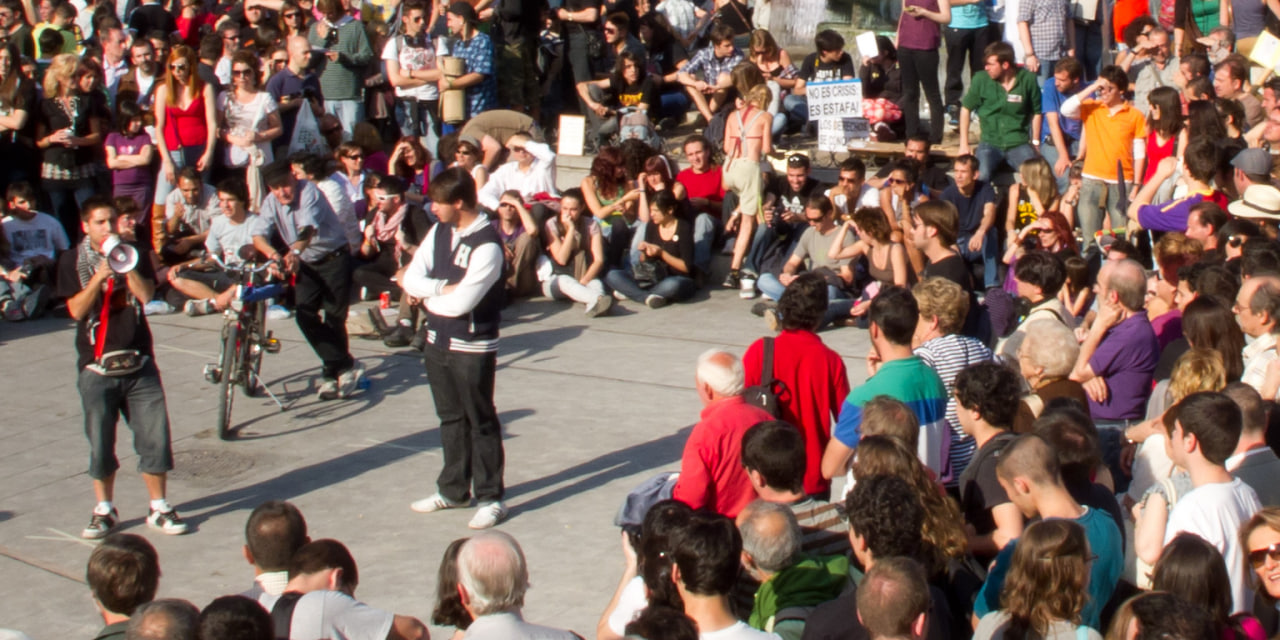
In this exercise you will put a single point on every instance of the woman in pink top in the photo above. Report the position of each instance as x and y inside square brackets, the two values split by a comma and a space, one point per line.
[186, 121]
[919, 36]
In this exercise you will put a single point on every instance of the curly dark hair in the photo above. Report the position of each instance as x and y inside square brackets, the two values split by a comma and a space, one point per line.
[885, 512]
[990, 389]
[804, 302]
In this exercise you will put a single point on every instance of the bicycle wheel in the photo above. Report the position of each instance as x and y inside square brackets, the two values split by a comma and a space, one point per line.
[255, 336]
[226, 386]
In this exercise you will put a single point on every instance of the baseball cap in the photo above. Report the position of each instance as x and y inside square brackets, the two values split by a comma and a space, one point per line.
[1255, 162]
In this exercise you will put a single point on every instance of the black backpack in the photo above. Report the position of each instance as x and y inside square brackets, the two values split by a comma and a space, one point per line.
[765, 395]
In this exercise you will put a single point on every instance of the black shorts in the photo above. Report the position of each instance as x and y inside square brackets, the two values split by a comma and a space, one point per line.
[218, 280]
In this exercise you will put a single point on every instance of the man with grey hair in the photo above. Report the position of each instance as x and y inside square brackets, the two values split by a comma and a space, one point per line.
[492, 580]
[1257, 311]
[1117, 359]
[167, 619]
[1253, 461]
[791, 583]
[711, 472]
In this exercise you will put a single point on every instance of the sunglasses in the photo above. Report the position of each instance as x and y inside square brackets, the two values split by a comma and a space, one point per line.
[817, 220]
[516, 149]
[896, 181]
[1258, 557]
[610, 32]
[292, 14]
[280, 61]
[1235, 241]
[352, 156]
[179, 67]
[241, 72]
[230, 37]
[385, 197]
[466, 152]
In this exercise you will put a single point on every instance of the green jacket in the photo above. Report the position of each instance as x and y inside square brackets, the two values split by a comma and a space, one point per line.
[807, 583]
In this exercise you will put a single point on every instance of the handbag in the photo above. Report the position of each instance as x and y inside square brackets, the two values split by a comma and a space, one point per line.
[765, 395]
[112, 364]
[648, 273]
[237, 156]
[306, 134]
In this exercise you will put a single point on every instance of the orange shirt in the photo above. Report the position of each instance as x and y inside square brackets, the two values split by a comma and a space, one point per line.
[1109, 137]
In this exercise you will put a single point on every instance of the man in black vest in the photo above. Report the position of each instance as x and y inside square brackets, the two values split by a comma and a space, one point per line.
[458, 273]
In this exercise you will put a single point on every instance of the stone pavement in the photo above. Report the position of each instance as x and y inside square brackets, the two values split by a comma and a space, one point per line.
[590, 408]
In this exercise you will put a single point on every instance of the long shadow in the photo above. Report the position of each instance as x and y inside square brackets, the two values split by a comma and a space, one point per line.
[310, 478]
[54, 321]
[527, 345]
[585, 476]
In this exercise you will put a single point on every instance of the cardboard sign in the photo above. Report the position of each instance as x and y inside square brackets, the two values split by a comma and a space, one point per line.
[573, 135]
[836, 134]
[836, 99]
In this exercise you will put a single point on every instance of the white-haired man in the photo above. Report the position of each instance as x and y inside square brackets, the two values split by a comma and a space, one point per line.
[492, 580]
[711, 471]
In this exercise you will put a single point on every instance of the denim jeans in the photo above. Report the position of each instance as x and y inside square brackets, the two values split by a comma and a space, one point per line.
[797, 109]
[138, 397]
[1089, 49]
[1095, 196]
[565, 287]
[706, 228]
[1050, 154]
[673, 104]
[470, 433]
[838, 301]
[990, 158]
[349, 112]
[66, 201]
[417, 118]
[1111, 442]
[988, 255]
[673, 288]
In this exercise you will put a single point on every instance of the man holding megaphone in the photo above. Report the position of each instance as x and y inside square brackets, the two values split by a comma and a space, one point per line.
[106, 287]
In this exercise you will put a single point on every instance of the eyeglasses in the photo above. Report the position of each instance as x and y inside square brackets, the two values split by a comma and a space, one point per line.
[1258, 557]
[610, 32]
[516, 149]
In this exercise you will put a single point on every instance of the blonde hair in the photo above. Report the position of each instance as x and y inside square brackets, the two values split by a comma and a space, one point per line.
[1038, 176]
[942, 299]
[1197, 370]
[59, 78]
[759, 96]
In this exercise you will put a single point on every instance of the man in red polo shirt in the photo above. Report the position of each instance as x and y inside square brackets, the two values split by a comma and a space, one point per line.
[711, 471]
[814, 380]
[702, 179]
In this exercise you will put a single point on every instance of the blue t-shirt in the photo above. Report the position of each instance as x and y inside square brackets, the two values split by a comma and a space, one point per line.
[1051, 102]
[1105, 543]
[969, 16]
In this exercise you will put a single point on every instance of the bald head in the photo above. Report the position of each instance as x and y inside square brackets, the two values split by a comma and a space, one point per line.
[770, 535]
[492, 571]
[299, 53]
[1129, 282]
[168, 619]
[1031, 459]
[722, 372]
[1258, 305]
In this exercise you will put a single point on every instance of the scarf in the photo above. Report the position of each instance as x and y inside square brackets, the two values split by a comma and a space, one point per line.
[387, 227]
[87, 261]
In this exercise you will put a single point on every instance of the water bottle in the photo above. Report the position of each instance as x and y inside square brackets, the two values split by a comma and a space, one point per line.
[363, 383]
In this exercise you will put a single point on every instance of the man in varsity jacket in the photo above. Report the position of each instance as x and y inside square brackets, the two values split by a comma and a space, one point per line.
[457, 271]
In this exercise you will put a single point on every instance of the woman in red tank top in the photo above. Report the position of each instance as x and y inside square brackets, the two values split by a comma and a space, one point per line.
[1167, 136]
[186, 121]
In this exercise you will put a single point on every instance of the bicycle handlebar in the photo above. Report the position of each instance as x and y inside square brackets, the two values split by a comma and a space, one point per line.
[250, 270]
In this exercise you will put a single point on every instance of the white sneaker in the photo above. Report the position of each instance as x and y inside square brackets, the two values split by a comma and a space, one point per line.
[328, 390]
[435, 503]
[167, 522]
[488, 515]
[600, 307]
[349, 380]
[748, 290]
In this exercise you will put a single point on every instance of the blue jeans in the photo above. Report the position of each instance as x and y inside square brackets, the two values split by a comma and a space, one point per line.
[838, 302]
[66, 201]
[706, 228]
[1089, 49]
[417, 119]
[1111, 442]
[797, 108]
[1050, 154]
[673, 288]
[349, 112]
[673, 104]
[988, 255]
[1095, 195]
[989, 158]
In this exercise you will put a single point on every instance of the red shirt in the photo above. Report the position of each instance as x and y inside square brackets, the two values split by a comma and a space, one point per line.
[703, 185]
[711, 473]
[816, 385]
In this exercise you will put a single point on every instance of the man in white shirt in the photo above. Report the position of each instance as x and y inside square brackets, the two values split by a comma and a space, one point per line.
[852, 191]
[411, 68]
[1257, 310]
[114, 66]
[1203, 430]
[34, 240]
[310, 167]
[321, 592]
[531, 170]
[492, 580]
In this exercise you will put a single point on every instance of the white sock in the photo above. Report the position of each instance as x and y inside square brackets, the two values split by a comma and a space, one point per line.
[161, 505]
[103, 508]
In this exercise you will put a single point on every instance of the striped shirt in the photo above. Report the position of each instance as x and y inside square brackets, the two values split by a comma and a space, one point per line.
[948, 356]
[342, 79]
[823, 528]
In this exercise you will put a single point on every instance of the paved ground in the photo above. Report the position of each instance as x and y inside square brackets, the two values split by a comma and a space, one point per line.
[590, 408]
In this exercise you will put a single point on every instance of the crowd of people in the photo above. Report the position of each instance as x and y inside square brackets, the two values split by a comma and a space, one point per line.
[1066, 425]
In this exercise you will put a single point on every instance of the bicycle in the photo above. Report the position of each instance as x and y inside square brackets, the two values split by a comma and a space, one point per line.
[244, 338]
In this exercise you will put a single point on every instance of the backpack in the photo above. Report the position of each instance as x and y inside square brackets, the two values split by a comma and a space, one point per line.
[765, 395]
[282, 614]
[637, 125]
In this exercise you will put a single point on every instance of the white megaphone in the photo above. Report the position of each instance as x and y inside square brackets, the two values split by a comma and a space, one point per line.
[120, 256]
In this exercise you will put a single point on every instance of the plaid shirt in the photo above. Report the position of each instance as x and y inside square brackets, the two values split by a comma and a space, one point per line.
[478, 54]
[705, 60]
[1048, 20]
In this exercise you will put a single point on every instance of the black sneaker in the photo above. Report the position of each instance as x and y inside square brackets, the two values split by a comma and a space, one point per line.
[100, 526]
[401, 336]
[379, 323]
[167, 522]
[731, 281]
[419, 341]
[759, 308]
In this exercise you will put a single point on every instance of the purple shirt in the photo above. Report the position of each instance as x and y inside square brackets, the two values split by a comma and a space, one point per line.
[1126, 359]
[127, 146]
[919, 32]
